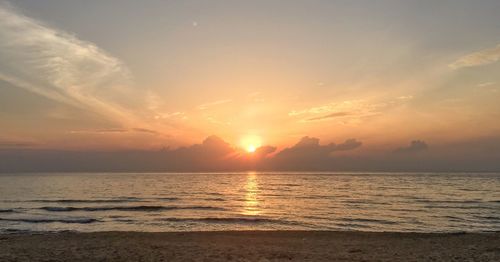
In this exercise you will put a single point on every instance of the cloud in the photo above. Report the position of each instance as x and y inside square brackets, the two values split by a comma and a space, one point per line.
[415, 146]
[332, 115]
[116, 130]
[211, 149]
[352, 109]
[57, 65]
[212, 104]
[180, 115]
[308, 154]
[145, 130]
[485, 84]
[17, 144]
[483, 57]
[307, 147]
[100, 131]
[263, 151]
[11, 142]
[214, 154]
[349, 144]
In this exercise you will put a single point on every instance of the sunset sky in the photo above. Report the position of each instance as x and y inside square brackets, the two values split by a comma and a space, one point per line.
[385, 76]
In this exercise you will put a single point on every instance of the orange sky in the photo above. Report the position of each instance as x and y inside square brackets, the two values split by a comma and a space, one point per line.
[178, 73]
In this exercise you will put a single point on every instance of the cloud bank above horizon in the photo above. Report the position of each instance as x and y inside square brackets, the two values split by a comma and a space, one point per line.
[216, 155]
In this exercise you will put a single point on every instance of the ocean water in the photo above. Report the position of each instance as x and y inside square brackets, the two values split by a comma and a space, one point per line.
[402, 202]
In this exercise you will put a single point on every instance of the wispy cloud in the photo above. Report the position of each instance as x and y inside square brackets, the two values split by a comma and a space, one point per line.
[180, 115]
[145, 130]
[116, 130]
[212, 104]
[57, 65]
[349, 108]
[332, 115]
[99, 131]
[483, 57]
[486, 84]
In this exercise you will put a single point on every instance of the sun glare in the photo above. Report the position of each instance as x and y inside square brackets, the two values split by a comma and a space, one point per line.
[251, 148]
[251, 143]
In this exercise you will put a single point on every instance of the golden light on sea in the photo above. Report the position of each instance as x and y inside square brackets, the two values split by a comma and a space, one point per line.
[251, 205]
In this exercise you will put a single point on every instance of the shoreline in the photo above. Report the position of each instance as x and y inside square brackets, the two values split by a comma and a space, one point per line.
[249, 246]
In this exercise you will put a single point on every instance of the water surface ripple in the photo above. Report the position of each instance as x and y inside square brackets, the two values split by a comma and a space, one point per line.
[402, 202]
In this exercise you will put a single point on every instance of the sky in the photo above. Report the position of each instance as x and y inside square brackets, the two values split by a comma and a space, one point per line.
[412, 82]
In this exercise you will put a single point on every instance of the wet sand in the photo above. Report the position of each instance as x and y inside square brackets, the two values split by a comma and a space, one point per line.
[249, 246]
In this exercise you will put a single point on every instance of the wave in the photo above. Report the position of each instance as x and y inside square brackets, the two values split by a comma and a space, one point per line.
[497, 218]
[236, 220]
[82, 201]
[459, 207]
[350, 225]
[368, 220]
[451, 218]
[214, 194]
[113, 200]
[167, 198]
[364, 202]
[214, 199]
[43, 220]
[285, 184]
[449, 201]
[128, 208]
[335, 197]
[223, 220]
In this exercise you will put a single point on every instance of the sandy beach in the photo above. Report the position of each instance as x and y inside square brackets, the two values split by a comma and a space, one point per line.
[250, 246]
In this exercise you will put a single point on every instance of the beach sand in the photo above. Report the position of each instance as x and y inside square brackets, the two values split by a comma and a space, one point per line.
[249, 246]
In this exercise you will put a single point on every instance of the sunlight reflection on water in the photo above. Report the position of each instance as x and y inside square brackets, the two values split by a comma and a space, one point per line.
[251, 207]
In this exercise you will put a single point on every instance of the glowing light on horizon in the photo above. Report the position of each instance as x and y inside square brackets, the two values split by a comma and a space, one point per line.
[251, 143]
[251, 148]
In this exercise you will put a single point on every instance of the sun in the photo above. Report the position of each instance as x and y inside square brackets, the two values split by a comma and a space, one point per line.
[250, 143]
[251, 148]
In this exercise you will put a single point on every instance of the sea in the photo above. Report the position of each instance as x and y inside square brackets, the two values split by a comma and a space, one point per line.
[156, 202]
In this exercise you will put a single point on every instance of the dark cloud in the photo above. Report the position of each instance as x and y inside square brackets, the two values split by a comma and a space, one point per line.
[349, 144]
[13, 144]
[211, 155]
[263, 151]
[306, 147]
[211, 147]
[214, 154]
[415, 146]
[308, 154]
